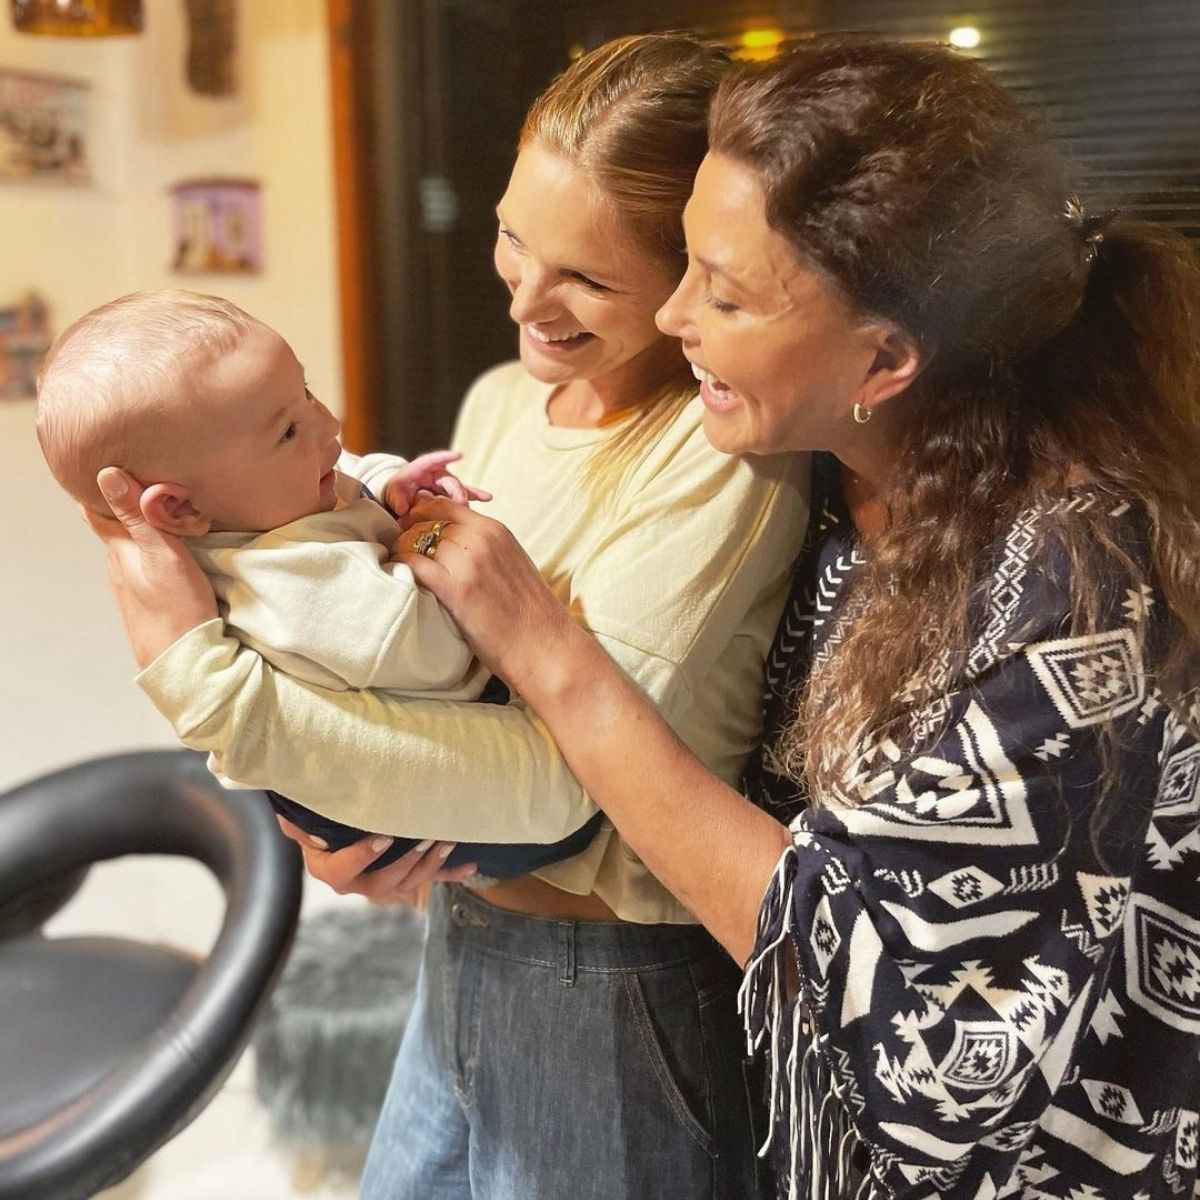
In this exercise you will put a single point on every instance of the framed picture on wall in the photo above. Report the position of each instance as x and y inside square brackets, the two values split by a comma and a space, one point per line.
[218, 226]
[43, 128]
[24, 340]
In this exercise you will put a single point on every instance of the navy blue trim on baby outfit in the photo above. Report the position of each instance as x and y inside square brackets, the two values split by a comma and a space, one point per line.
[496, 860]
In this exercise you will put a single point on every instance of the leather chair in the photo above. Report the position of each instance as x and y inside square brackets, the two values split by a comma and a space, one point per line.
[109, 1047]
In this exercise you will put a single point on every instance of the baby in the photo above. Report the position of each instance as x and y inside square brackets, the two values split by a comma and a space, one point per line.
[208, 408]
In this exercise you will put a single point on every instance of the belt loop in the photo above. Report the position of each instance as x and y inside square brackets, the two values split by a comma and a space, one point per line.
[566, 953]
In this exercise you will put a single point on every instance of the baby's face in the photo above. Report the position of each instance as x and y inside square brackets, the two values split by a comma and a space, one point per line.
[266, 445]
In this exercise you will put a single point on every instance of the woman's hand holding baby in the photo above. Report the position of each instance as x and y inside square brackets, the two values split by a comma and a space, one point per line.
[343, 870]
[161, 592]
[490, 586]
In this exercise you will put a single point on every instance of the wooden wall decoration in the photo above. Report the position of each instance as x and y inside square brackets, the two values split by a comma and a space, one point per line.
[43, 128]
[212, 46]
[24, 340]
[217, 226]
[77, 18]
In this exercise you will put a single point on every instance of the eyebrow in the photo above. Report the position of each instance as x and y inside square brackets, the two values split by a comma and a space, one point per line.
[277, 416]
[716, 269]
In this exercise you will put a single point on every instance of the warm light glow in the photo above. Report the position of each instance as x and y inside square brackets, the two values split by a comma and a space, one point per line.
[760, 39]
[965, 37]
[575, 51]
[760, 43]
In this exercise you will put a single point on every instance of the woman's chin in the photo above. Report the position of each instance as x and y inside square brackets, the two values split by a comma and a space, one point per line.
[542, 367]
[727, 433]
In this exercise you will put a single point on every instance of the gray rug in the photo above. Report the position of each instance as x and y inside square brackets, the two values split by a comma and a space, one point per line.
[325, 1043]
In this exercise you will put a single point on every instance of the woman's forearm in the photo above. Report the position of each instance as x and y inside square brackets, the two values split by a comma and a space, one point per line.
[702, 839]
[411, 767]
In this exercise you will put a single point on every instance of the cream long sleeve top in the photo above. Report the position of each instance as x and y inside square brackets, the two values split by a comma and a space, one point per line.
[681, 573]
[320, 599]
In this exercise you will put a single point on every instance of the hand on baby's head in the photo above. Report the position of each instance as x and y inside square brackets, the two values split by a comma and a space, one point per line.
[428, 473]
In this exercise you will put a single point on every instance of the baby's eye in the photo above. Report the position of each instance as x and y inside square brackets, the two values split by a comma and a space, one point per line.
[289, 432]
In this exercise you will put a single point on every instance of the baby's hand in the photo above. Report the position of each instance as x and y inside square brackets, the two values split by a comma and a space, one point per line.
[427, 473]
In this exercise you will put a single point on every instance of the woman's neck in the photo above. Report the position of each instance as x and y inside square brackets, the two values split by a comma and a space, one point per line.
[868, 461]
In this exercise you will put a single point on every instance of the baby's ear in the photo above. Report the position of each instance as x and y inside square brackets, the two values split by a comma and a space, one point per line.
[169, 509]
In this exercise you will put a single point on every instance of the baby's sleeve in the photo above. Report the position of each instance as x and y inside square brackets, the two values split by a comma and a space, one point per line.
[373, 471]
[329, 609]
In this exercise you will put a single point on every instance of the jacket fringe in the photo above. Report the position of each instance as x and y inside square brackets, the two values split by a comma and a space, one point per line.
[819, 1160]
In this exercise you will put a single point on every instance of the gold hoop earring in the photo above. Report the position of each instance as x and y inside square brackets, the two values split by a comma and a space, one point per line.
[861, 415]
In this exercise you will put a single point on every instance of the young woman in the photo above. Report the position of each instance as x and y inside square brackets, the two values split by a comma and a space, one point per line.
[574, 1034]
[976, 969]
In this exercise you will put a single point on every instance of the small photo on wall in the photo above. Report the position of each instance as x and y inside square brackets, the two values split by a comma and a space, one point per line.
[217, 226]
[24, 340]
[43, 128]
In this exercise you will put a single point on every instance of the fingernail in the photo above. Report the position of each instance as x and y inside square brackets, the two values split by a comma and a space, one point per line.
[113, 485]
[444, 852]
[380, 844]
[320, 843]
[421, 847]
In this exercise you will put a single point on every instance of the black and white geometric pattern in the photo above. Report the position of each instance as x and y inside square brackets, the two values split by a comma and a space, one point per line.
[1162, 962]
[1104, 896]
[966, 886]
[1000, 952]
[1093, 678]
[1004, 595]
[982, 1055]
[1179, 789]
[1186, 1137]
[1112, 1100]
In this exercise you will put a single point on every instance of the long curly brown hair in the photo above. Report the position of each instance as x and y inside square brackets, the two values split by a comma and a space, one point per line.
[909, 177]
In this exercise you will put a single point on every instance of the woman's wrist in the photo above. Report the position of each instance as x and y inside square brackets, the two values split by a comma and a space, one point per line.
[153, 629]
[563, 668]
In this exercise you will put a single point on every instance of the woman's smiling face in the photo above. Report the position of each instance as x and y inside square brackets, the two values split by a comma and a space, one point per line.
[583, 292]
[781, 357]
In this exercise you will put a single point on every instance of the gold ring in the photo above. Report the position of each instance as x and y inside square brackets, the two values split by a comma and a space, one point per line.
[426, 542]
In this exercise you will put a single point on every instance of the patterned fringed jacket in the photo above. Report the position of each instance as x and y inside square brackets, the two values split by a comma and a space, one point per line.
[999, 996]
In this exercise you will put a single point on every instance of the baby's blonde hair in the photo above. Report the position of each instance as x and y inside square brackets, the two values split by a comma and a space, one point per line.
[111, 383]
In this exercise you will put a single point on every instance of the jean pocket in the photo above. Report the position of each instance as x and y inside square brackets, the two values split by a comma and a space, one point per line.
[664, 1046]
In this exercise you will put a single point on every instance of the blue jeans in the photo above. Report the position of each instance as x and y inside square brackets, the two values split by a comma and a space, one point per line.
[564, 1060]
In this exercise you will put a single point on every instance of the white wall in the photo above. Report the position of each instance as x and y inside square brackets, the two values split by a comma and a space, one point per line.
[66, 677]
[66, 689]
[277, 130]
